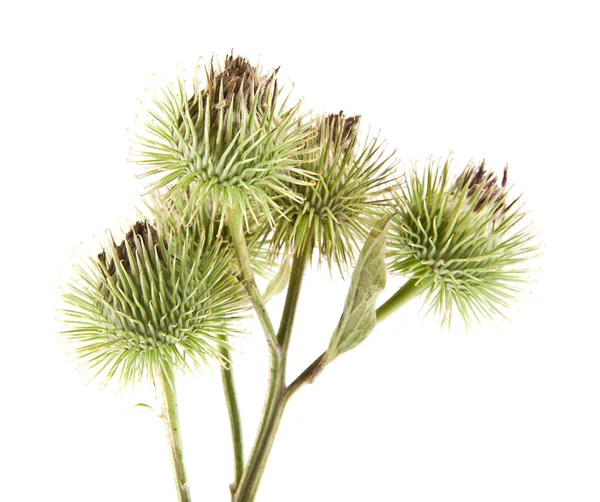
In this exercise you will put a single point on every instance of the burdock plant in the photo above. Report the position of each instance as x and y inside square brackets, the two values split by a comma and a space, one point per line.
[150, 307]
[243, 182]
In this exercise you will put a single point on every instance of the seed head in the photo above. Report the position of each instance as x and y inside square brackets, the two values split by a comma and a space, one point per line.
[143, 305]
[462, 240]
[337, 212]
[232, 140]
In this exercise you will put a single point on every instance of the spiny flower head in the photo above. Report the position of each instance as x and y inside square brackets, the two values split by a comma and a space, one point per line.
[232, 140]
[462, 240]
[337, 212]
[146, 305]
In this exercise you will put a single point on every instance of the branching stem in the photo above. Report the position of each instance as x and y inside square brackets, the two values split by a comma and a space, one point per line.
[406, 293]
[278, 392]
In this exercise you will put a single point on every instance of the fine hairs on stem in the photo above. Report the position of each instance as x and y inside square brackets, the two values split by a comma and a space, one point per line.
[246, 184]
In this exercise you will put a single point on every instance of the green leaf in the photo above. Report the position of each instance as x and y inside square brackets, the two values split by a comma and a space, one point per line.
[279, 282]
[368, 280]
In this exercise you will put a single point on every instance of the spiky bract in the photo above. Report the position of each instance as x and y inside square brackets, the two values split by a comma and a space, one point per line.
[463, 241]
[339, 211]
[234, 140]
[201, 221]
[145, 305]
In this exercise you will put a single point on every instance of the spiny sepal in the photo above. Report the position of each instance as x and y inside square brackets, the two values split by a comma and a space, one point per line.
[202, 220]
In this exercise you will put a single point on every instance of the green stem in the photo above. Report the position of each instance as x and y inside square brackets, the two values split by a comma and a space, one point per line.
[173, 429]
[277, 395]
[309, 374]
[270, 420]
[234, 416]
[235, 222]
[399, 298]
[291, 299]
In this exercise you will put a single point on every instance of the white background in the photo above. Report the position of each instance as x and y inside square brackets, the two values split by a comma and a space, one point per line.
[503, 412]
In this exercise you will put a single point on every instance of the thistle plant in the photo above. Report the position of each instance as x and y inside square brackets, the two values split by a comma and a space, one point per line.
[242, 180]
[146, 309]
